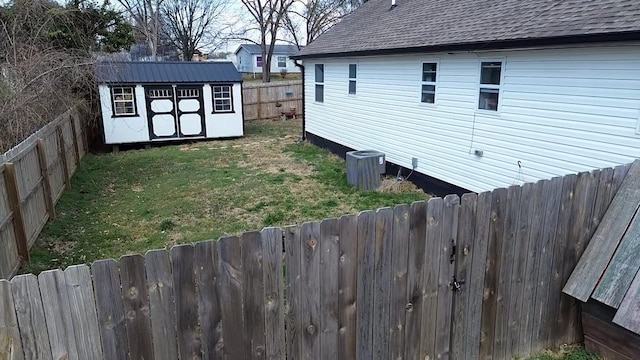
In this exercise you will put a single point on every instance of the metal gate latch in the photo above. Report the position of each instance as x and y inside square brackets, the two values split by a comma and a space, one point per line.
[455, 284]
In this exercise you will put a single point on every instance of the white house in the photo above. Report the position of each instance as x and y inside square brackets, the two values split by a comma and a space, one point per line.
[484, 94]
[145, 102]
[249, 59]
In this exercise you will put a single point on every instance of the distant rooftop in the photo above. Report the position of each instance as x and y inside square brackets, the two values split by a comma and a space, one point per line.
[277, 49]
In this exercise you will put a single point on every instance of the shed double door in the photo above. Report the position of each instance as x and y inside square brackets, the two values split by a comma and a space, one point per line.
[175, 111]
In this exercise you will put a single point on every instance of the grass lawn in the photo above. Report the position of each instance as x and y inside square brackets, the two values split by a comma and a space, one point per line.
[138, 200]
[567, 353]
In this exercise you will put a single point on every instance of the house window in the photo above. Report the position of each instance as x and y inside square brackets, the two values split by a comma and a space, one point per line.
[222, 98]
[429, 76]
[353, 73]
[259, 61]
[282, 61]
[124, 103]
[319, 82]
[490, 75]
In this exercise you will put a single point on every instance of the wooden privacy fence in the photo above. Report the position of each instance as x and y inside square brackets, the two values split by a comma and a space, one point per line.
[33, 176]
[476, 277]
[260, 100]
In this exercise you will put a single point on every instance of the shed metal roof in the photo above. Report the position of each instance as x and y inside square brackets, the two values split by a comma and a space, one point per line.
[436, 25]
[609, 269]
[167, 72]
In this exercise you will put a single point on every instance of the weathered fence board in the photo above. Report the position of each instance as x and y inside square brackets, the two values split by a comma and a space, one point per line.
[83, 311]
[347, 279]
[329, 305]
[454, 278]
[186, 301]
[207, 282]
[273, 293]
[111, 316]
[57, 311]
[415, 276]
[382, 284]
[253, 294]
[231, 300]
[260, 101]
[10, 343]
[135, 301]
[293, 249]
[32, 179]
[161, 301]
[310, 290]
[31, 319]
[398, 288]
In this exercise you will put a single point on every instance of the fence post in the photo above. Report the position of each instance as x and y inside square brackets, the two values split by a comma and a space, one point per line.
[259, 102]
[63, 157]
[44, 169]
[74, 136]
[15, 204]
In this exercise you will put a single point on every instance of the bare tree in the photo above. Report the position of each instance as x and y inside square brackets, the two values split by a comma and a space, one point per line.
[309, 19]
[269, 17]
[146, 16]
[192, 22]
[37, 79]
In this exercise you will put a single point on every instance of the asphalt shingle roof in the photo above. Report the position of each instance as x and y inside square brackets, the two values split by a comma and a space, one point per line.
[423, 24]
[277, 49]
[167, 72]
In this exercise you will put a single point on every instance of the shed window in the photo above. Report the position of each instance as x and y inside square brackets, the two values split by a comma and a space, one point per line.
[282, 61]
[160, 93]
[222, 98]
[353, 74]
[319, 74]
[124, 103]
[188, 93]
[429, 77]
[490, 77]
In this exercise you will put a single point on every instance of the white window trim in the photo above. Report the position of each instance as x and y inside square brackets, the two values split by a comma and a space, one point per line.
[435, 83]
[114, 101]
[324, 75]
[500, 88]
[350, 79]
[278, 61]
[230, 98]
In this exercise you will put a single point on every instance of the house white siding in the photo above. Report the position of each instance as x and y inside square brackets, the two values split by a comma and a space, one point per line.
[560, 111]
[291, 66]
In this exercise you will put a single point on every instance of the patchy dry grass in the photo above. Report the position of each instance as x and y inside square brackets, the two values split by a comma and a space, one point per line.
[143, 199]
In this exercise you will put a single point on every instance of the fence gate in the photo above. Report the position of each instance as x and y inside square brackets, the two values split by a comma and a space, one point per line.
[379, 285]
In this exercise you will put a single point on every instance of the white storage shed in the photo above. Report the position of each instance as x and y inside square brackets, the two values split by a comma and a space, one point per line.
[145, 102]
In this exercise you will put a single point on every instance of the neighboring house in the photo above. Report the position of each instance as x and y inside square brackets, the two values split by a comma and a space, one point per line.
[249, 59]
[160, 101]
[484, 94]
[199, 56]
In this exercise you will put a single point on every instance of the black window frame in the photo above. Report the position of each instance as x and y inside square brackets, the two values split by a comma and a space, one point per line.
[353, 79]
[429, 86]
[113, 100]
[490, 87]
[319, 83]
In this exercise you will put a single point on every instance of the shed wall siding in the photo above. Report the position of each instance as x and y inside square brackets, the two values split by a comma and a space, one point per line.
[561, 111]
[244, 61]
[121, 130]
